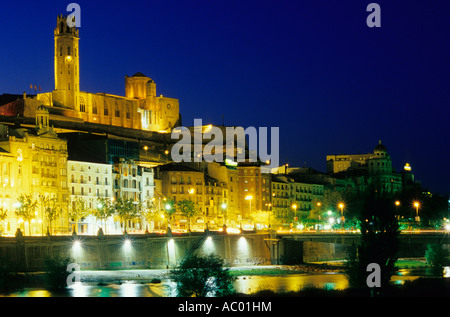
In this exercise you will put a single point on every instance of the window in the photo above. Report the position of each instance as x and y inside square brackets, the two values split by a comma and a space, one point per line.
[128, 113]
[105, 108]
[117, 110]
[68, 50]
[82, 105]
[94, 107]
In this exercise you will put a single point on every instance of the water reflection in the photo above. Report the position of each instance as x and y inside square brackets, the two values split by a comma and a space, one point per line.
[243, 284]
[289, 283]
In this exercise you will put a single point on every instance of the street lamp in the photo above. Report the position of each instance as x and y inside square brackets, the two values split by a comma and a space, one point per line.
[417, 205]
[341, 207]
[397, 204]
[294, 206]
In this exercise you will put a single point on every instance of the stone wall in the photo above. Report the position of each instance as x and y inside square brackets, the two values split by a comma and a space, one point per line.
[145, 251]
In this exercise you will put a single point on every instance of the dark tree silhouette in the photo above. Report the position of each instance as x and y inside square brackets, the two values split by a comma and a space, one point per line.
[379, 241]
[202, 277]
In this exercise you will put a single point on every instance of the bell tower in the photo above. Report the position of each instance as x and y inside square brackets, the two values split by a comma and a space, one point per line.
[67, 64]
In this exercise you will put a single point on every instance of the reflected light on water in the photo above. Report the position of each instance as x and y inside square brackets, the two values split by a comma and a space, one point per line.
[79, 290]
[38, 293]
[128, 290]
[290, 283]
[447, 271]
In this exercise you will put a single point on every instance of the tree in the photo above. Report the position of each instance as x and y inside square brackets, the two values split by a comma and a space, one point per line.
[126, 210]
[51, 209]
[187, 208]
[202, 277]
[379, 241]
[435, 257]
[26, 208]
[261, 216]
[104, 210]
[3, 215]
[329, 201]
[170, 208]
[149, 210]
[78, 210]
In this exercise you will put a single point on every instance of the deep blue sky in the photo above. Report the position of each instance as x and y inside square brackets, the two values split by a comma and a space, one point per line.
[312, 68]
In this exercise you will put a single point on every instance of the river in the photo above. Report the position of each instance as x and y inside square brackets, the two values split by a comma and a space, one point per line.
[243, 284]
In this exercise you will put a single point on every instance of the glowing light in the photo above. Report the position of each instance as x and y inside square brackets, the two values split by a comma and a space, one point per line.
[127, 243]
[248, 197]
[248, 227]
[407, 167]
[397, 203]
[242, 245]
[229, 162]
[168, 207]
[233, 230]
[224, 206]
[68, 58]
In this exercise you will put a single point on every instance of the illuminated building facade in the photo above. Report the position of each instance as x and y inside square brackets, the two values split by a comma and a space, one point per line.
[292, 198]
[254, 189]
[34, 162]
[139, 109]
[89, 181]
[180, 182]
[365, 169]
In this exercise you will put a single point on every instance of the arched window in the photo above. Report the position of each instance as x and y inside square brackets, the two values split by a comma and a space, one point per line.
[82, 105]
[105, 108]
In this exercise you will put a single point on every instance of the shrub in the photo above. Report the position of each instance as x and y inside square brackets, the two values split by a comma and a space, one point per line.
[202, 277]
[56, 272]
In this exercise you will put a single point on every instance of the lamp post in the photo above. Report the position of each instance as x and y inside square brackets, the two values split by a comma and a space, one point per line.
[294, 206]
[269, 209]
[397, 204]
[341, 207]
[417, 205]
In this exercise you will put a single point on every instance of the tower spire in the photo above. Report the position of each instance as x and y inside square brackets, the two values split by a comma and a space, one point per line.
[67, 72]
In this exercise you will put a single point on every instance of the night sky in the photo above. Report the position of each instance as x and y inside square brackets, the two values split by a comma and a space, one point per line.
[313, 68]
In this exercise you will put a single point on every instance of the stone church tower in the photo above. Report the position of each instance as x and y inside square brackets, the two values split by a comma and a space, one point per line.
[67, 64]
[139, 109]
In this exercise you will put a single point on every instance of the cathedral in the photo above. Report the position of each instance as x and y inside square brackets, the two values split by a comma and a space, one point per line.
[139, 109]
